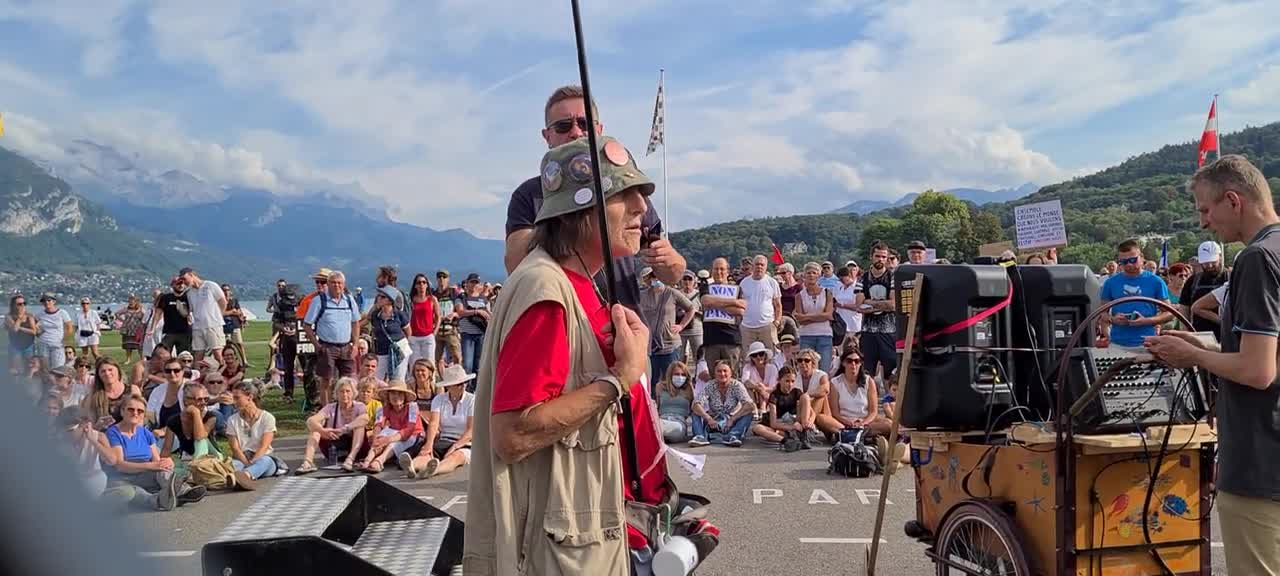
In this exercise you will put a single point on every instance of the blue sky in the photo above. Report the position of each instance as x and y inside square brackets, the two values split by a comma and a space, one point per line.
[774, 107]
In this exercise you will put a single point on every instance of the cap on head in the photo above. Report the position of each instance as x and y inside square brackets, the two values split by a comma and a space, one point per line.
[567, 183]
[48, 297]
[473, 277]
[786, 338]
[646, 272]
[916, 245]
[185, 271]
[322, 274]
[1209, 252]
[442, 273]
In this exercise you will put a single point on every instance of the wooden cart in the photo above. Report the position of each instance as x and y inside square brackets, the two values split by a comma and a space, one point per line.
[1032, 504]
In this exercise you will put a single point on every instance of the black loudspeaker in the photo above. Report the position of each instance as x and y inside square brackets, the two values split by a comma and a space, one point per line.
[1049, 303]
[341, 526]
[957, 382]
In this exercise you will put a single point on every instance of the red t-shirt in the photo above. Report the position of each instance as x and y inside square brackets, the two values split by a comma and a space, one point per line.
[423, 319]
[534, 364]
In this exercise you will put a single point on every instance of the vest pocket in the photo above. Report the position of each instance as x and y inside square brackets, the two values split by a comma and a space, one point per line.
[597, 433]
[585, 542]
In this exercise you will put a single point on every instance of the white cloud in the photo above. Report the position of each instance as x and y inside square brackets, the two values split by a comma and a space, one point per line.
[97, 24]
[158, 140]
[30, 137]
[432, 106]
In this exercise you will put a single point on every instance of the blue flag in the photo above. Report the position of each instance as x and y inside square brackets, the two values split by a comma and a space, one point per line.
[1164, 255]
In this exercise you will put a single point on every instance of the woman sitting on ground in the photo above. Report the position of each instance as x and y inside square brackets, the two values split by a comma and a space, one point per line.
[102, 406]
[788, 413]
[250, 432]
[424, 382]
[853, 400]
[723, 408]
[398, 429]
[759, 375]
[675, 403]
[448, 441]
[340, 425]
[187, 432]
[135, 467]
[814, 382]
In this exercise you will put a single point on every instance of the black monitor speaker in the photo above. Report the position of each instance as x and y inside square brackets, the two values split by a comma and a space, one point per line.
[957, 382]
[1049, 304]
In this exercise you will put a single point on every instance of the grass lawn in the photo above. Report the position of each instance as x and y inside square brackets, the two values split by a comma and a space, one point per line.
[289, 417]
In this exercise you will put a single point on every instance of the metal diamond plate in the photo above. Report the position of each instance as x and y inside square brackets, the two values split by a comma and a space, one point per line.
[294, 507]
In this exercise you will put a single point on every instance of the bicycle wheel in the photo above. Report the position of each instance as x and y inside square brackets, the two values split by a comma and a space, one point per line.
[980, 540]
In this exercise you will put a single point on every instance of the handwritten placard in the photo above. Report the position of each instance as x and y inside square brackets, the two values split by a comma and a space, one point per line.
[1040, 225]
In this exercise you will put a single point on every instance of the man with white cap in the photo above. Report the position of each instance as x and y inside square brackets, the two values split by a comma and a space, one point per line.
[1210, 276]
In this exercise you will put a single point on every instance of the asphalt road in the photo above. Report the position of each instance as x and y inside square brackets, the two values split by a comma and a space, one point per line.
[778, 513]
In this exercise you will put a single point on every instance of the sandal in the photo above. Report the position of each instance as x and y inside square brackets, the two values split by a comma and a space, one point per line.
[306, 467]
[430, 469]
[374, 467]
[348, 465]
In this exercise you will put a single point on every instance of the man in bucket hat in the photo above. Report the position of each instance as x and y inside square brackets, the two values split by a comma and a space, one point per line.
[557, 360]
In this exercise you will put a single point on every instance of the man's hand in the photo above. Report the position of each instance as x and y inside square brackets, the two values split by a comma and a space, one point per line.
[1121, 319]
[164, 464]
[662, 256]
[1175, 348]
[331, 434]
[629, 338]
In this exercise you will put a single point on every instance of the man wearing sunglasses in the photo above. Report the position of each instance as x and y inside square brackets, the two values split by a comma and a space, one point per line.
[1128, 324]
[565, 121]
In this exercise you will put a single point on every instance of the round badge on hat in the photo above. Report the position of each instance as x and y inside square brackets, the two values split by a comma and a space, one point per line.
[616, 153]
[551, 176]
[580, 168]
[606, 184]
[583, 196]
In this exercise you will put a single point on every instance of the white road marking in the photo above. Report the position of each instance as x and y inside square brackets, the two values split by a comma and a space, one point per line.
[167, 554]
[839, 541]
[1215, 544]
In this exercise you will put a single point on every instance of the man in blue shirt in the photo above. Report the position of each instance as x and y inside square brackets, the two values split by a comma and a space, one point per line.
[1128, 324]
[333, 323]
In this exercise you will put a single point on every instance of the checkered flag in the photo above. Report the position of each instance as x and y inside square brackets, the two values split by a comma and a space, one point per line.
[658, 134]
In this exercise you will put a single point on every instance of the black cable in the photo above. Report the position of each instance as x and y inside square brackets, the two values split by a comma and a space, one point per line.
[1031, 336]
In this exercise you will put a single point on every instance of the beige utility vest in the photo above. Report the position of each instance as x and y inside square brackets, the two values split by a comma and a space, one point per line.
[560, 510]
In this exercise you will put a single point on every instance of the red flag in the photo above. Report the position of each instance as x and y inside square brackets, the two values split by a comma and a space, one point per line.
[1209, 139]
[777, 255]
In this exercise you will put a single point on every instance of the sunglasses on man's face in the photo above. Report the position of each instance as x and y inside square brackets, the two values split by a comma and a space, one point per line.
[1129, 260]
[173, 370]
[138, 411]
[805, 361]
[567, 124]
[852, 360]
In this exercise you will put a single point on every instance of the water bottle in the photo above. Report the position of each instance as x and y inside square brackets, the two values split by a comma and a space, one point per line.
[678, 557]
[330, 454]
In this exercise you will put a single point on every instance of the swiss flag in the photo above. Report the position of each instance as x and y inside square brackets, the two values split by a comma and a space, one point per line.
[1209, 139]
[777, 255]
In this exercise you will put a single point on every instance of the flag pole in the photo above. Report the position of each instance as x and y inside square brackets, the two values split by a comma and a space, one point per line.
[1218, 132]
[666, 194]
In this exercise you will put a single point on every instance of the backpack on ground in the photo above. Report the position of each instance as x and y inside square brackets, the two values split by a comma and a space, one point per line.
[212, 471]
[853, 460]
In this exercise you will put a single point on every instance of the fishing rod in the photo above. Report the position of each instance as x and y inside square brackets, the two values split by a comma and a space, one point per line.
[602, 222]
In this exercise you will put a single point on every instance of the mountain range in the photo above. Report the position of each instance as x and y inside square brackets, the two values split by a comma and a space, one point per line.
[97, 207]
[975, 195]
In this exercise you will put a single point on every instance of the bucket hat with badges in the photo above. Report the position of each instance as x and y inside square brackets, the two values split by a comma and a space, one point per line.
[567, 185]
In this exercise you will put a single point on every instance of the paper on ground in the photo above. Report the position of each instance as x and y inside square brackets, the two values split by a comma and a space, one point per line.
[692, 463]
